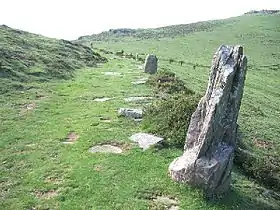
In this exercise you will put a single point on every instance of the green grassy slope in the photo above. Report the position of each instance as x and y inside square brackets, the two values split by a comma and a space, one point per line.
[140, 34]
[39, 172]
[25, 56]
[260, 111]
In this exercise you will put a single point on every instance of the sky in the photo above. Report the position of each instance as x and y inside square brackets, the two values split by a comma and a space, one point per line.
[69, 19]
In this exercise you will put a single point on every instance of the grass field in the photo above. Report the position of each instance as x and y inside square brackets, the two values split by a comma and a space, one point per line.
[38, 171]
[260, 110]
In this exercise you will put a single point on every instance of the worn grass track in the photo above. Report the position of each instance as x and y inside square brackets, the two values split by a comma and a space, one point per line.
[38, 171]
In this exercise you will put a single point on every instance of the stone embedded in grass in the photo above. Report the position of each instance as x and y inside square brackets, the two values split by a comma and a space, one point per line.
[112, 73]
[30, 106]
[145, 140]
[102, 99]
[166, 203]
[139, 82]
[137, 98]
[71, 138]
[106, 148]
[131, 113]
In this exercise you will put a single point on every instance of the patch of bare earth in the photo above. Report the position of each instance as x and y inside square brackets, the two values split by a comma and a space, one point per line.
[262, 143]
[110, 147]
[71, 138]
[30, 106]
[105, 119]
[45, 194]
[54, 180]
[27, 108]
[125, 146]
[40, 96]
[98, 167]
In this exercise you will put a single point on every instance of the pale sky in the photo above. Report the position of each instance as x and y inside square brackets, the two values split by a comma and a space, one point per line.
[69, 19]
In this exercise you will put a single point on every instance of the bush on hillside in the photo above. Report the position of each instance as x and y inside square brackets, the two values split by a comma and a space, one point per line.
[170, 115]
[167, 82]
[262, 167]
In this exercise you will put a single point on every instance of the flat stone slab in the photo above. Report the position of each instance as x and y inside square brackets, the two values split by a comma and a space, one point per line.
[132, 113]
[145, 140]
[106, 148]
[137, 98]
[112, 73]
[102, 99]
[140, 81]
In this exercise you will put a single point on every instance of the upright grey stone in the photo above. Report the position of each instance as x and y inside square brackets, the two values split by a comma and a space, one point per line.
[150, 65]
[211, 138]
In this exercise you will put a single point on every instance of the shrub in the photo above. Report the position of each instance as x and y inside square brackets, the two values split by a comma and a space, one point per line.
[262, 167]
[167, 82]
[170, 117]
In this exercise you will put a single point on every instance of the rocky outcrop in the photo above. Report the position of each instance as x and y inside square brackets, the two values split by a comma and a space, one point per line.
[150, 65]
[211, 138]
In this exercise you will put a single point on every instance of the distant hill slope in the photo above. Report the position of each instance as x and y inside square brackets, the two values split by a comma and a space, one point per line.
[24, 55]
[167, 31]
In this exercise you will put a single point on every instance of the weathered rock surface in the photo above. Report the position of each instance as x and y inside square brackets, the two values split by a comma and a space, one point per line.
[132, 113]
[211, 138]
[105, 149]
[150, 65]
[145, 140]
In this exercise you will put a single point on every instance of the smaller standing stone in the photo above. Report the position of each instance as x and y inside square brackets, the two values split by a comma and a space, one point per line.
[150, 65]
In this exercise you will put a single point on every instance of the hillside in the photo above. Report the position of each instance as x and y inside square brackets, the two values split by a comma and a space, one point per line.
[156, 33]
[26, 57]
[65, 104]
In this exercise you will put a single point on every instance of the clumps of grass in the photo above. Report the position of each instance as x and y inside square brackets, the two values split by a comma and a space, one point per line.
[167, 82]
[169, 117]
[263, 167]
[21, 51]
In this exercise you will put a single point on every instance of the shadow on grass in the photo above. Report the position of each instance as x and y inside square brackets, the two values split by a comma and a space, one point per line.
[237, 200]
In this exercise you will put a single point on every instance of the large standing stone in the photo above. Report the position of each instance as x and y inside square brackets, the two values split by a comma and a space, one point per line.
[150, 65]
[211, 137]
